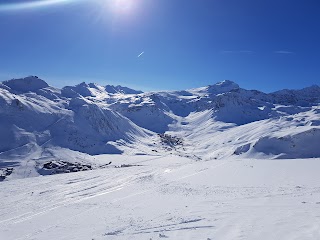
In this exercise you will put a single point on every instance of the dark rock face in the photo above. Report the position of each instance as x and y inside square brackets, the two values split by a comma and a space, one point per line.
[170, 140]
[5, 172]
[65, 167]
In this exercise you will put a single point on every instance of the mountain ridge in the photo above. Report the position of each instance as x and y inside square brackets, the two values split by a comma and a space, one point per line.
[212, 122]
[224, 84]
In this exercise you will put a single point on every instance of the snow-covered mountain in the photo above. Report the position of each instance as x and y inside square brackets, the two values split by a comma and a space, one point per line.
[94, 90]
[40, 123]
[173, 164]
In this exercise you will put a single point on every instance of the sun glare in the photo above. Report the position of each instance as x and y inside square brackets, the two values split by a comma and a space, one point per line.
[124, 6]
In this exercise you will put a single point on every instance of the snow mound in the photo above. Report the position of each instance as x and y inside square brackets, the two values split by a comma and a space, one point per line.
[27, 84]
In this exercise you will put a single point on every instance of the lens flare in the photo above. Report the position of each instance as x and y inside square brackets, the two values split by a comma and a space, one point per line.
[31, 4]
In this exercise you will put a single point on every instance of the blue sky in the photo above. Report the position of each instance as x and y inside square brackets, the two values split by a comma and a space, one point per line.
[260, 44]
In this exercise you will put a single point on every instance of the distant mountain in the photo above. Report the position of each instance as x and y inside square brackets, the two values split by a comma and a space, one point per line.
[23, 85]
[304, 97]
[215, 121]
[94, 90]
[120, 89]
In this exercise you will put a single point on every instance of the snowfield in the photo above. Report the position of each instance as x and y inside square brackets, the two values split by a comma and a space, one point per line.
[168, 197]
[108, 162]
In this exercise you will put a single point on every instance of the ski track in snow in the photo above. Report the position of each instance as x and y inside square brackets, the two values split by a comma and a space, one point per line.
[85, 196]
[218, 208]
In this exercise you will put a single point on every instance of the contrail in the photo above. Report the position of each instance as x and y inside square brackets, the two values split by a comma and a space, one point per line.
[140, 54]
[31, 4]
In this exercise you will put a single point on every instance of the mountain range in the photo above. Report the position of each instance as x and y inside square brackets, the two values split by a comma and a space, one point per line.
[40, 123]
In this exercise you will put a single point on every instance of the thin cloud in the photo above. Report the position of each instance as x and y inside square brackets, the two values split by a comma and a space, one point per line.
[283, 52]
[140, 54]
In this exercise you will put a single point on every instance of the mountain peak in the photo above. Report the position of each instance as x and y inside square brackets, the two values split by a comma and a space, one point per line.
[121, 89]
[31, 83]
[83, 84]
[94, 85]
[79, 89]
[225, 83]
[223, 86]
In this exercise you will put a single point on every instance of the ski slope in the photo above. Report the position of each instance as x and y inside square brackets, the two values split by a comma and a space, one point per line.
[167, 197]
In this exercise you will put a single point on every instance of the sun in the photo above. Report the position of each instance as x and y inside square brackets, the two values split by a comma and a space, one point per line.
[124, 6]
[120, 7]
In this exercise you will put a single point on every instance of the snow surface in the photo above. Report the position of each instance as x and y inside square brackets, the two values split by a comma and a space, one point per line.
[167, 197]
[217, 162]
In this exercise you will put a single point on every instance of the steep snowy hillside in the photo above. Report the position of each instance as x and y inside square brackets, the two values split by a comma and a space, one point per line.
[40, 123]
[35, 118]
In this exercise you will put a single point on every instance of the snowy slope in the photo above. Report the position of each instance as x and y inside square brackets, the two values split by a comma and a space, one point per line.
[167, 198]
[294, 136]
[35, 118]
